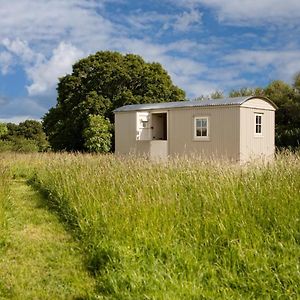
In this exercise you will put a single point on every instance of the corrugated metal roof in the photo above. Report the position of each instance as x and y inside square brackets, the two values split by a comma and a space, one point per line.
[209, 102]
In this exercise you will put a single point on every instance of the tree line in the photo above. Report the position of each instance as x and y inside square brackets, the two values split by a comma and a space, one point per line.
[27, 136]
[82, 119]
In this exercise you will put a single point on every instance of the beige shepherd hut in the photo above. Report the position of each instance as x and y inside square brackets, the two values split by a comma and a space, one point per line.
[237, 129]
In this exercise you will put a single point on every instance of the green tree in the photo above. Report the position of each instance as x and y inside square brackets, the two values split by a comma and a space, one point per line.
[33, 130]
[217, 95]
[3, 129]
[287, 114]
[97, 134]
[99, 84]
[243, 92]
[27, 135]
[280, 92]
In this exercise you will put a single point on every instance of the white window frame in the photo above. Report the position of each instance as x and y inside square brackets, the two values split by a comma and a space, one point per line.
[259, 124]
[201, 138]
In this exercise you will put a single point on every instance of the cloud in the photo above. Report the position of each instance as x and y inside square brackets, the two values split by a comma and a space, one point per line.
[21, 49]
[283, 63]
[153, 20]
[44, 22]
[186, 20]
[6, 62]
[44, 75]
[249, 12]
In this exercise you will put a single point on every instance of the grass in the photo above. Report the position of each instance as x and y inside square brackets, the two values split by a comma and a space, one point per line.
[183, 230]
[4, 203]
[39, 259]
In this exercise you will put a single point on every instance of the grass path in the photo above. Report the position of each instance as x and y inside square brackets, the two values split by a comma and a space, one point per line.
[41, 260]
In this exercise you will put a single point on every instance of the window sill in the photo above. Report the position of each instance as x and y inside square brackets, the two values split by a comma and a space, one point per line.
[201, 139]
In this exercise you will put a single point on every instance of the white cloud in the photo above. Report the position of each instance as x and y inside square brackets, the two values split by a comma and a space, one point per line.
[43, 22]
[249, 12]
[284, 63]
[21, 49]
[44, 75]
[186, 20]
[6, 62]
[179, 22]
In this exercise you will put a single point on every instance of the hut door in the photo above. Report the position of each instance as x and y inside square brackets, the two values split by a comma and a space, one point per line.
[159, 126]
[143, 130]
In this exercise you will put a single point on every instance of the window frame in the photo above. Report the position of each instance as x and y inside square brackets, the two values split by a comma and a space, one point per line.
[258, 124]
[201, 138]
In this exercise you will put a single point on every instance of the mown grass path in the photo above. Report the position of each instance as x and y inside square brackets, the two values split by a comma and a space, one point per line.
[41, 259]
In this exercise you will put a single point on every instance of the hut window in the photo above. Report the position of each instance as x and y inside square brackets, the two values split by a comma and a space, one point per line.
[201, 127]
[258, 124]
[142, 126]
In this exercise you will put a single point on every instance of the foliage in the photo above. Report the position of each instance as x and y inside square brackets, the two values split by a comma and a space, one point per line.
[280, 92]
[99, 84]
[152, 231]
[287, 114]
[243, 92]
[19, 144]
[97, 135]
[28, 136]
[3, 129]
[217, 95]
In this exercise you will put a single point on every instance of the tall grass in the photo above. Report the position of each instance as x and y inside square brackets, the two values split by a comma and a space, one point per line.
[4, 201]
[182, 230]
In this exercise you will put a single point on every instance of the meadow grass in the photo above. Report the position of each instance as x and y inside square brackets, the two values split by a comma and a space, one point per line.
[41, 260]
[186, 229]
[4, 201]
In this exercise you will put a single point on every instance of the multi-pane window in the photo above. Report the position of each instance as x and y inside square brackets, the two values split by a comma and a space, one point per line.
[258, 124]
[201, 127]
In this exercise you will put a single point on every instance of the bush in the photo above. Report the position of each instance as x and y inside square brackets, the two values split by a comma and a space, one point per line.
[19, 144]
[97, 135]
[288, 138]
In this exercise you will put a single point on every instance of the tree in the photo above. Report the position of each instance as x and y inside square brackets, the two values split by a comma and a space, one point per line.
[217, 95]
[3, 129]
[287, 114]
[280, 92]
[243, 92]
[97, 135]
[26, 134]
[33, 130]
[99, 84]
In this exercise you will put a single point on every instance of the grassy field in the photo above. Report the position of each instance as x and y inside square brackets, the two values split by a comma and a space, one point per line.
[4, 202]
[183, 230]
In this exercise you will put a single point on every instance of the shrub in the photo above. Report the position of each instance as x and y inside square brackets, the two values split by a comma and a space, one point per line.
[97, 135]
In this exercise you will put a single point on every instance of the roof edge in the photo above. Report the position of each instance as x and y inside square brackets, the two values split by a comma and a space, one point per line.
[261, 97]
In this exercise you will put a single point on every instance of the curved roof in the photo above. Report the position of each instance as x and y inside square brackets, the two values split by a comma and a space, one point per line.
[200, 103]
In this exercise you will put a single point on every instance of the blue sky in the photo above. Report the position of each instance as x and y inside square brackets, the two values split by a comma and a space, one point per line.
[205, 45]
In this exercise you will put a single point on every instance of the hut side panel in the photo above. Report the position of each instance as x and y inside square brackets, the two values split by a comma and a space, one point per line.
[125, 127]
[224, 132]
[253, 145]
[126, 135]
